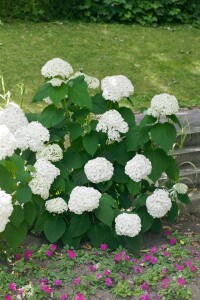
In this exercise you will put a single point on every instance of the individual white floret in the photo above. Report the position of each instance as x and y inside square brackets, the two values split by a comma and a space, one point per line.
[57, 67]
[6, 209]
[83, 199]
[32, 136]
[180, 188]
[13, 117]
[8, 143]
[50, 152]
[92, 82]
[56, 82]
[163, 105]
[56, 205]
[128, 224]
[98, 170]
[116, 87]
[138, 168]
[159, 203]
[112, 123]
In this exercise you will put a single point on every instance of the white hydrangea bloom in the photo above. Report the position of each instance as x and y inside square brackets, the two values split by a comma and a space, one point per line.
[128, 224]
[57, 67]
[39, 186]
[32, 136]
[56, 82]
[83, 199]
[8, 143]
[50, 152]
[13, 117]
[138, 167]
[112, 123]
[92, 82]
[6, 209]
[98, 170]
[56, 205]
[163, 105]
[180, 188]
[67, 142]
[48, 100]
[159, 203]
[116, 87]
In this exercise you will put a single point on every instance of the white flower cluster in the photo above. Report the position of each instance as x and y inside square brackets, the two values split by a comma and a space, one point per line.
[92, 82]
[57, 67]
[13, 117]
[180, 188]
[43, 178]
[98, 170]
[163, 105]
[83, 199]
[8, 143]
[112, 123]
[32, 136]
[116, 87]
[56, 205]
[128, 224]
[138, 167]
[158, 204]
[56, 82]
[6, 209]
[50, 152]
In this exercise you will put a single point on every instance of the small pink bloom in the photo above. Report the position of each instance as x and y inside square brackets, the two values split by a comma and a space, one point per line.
[145, 297]
[147, 257]
[127, 257]
[167, 233]
[137, 269]
[134, 260]
[108, 281]
[172, 241]
[98, 276]
[77, 281]
[179, 268]
[44, 280]
[164, 270]
[49, 253]
[71, 254]
[145, 286]
[27, 254]
[107, 272]
[153, 250]
[188, 263]
[153, 260]
[93, 268]
[118, 257]
[165, 283]
[63, 297]
[158, 297]
[79, 297]
[8, 297]
[181, 281]
[163, 247]
[103, 247]
[53, 247]
[57, 282]
[166, 254]
[122, 275]
[12, 286]
[17, 256]
[193, 268]
[130, 282]
[21, 291]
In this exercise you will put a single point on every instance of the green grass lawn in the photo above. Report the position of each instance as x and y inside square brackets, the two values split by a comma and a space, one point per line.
[155, 59]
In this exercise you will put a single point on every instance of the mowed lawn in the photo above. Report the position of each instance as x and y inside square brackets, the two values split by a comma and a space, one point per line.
[164, 59]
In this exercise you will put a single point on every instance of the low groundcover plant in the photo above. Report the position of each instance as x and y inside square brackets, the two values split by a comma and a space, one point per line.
[82, 169]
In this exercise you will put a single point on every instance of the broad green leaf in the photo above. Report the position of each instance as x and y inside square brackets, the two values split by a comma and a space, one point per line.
[134, 244]
[72, 160]
[102, 234]
[90, 142]
[15, 235]
[56, 94]
[119, 174]
[184, 198]
[175, 119]
[79, 177]
[75, 130]
[164, 135]
[104, 186]
[140, 201]
[109, 200]
[147, 120]
[54, 228]
[18, 161]
[128, 116]
[29, 213]
[59, 184]
[7, 183]
[136, 137]
[146, 219]
[156, 226]
[119, 153]
[172, 170]
[69, 240]
[23, 193]
[17, 216]
[79, 224]
[125, 200]
[51, 116]
[78, 92]
[173, 213]
[99, 104]
[133, 187]
[159, 161]
[23, 176]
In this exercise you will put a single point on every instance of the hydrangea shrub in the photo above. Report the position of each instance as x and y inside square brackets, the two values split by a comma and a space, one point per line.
[82, 169]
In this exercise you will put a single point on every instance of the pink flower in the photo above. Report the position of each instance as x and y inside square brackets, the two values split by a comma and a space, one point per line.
[167, 232]
[8, 297]
[145, 297]
[53, 247]
[43, 280]
[179, 268]
[158, 297]
[63, 297]
[93, 268]
[172, 241]
[166, 254]
[12, 286]
[79, 297]
[49, 253]
[122, 275]
[77, 281]
[17, 256]
[181, 281]
[103, 247]
[193, 268]
[165, 283]
[134, 260]
[118, 257]
[188, 263]
[145, 286]
[107, 272]
[57, 282]
[21, 291]
[108, 281]
[71, 254]
[98, 276]
[164, 270]
[147, 257]
[153, 250]
[153, 260]
[47, 289]
[126, 257]
[163, 247]
[27, 254]
[137, 269]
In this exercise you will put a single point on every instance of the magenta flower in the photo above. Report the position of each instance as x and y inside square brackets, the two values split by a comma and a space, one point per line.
[193, 268]
[77, 281]
[153, 260]
[122, 275]
[57, 282]
[108, 281]
[134, 260]
[163, 247]
[165, 283]
[166, 254]
[145, 286]
[145, 297]
[164, 270]
[12, 286]
[172, 241]
[71, 254]
[153, 250]
[17, 256]
[107, 272]
[49, 253]
[92, 268]
[47, 289]
[188, 263]
[44, 280]
[103, 247]
[126, 257]
[53, 247]
[137, 269]
[158, 297]
[118, 257]
[147, 257]
[179, 267]
[21, 291]
[79, 297]
[27, 254]
[63, 297]
[8, 297]
[167, 232]
[98, 276]
[181, 281]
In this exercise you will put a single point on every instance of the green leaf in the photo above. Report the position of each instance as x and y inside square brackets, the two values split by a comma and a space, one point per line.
[175, 120]
[30, 213]
[109, 200]
[102, 234]
[146, 219]
[78, 92]
[59, 184]
[104, 186]
[128, 116]
[99, 104]
[75, 130]
[147, 120]
[119, 153]
[54, 227]
[184, 198]
[90, 142]
[18, 161]
[119, 174]
[17, 216]
[156, 226]
[134, 244]
[79, 177]
[79, 224]
[23, 176]
[104, 213]
[159, 161]
[140, 201]
[7, 183]
[15, 235]
[133, 187]
[72, 160]
[173, 213]
[51, 116]
[172, 170]
[164, 135]
[69, 240]
[56, 94]
[23, 193]
[136, 137]
[125, 200]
